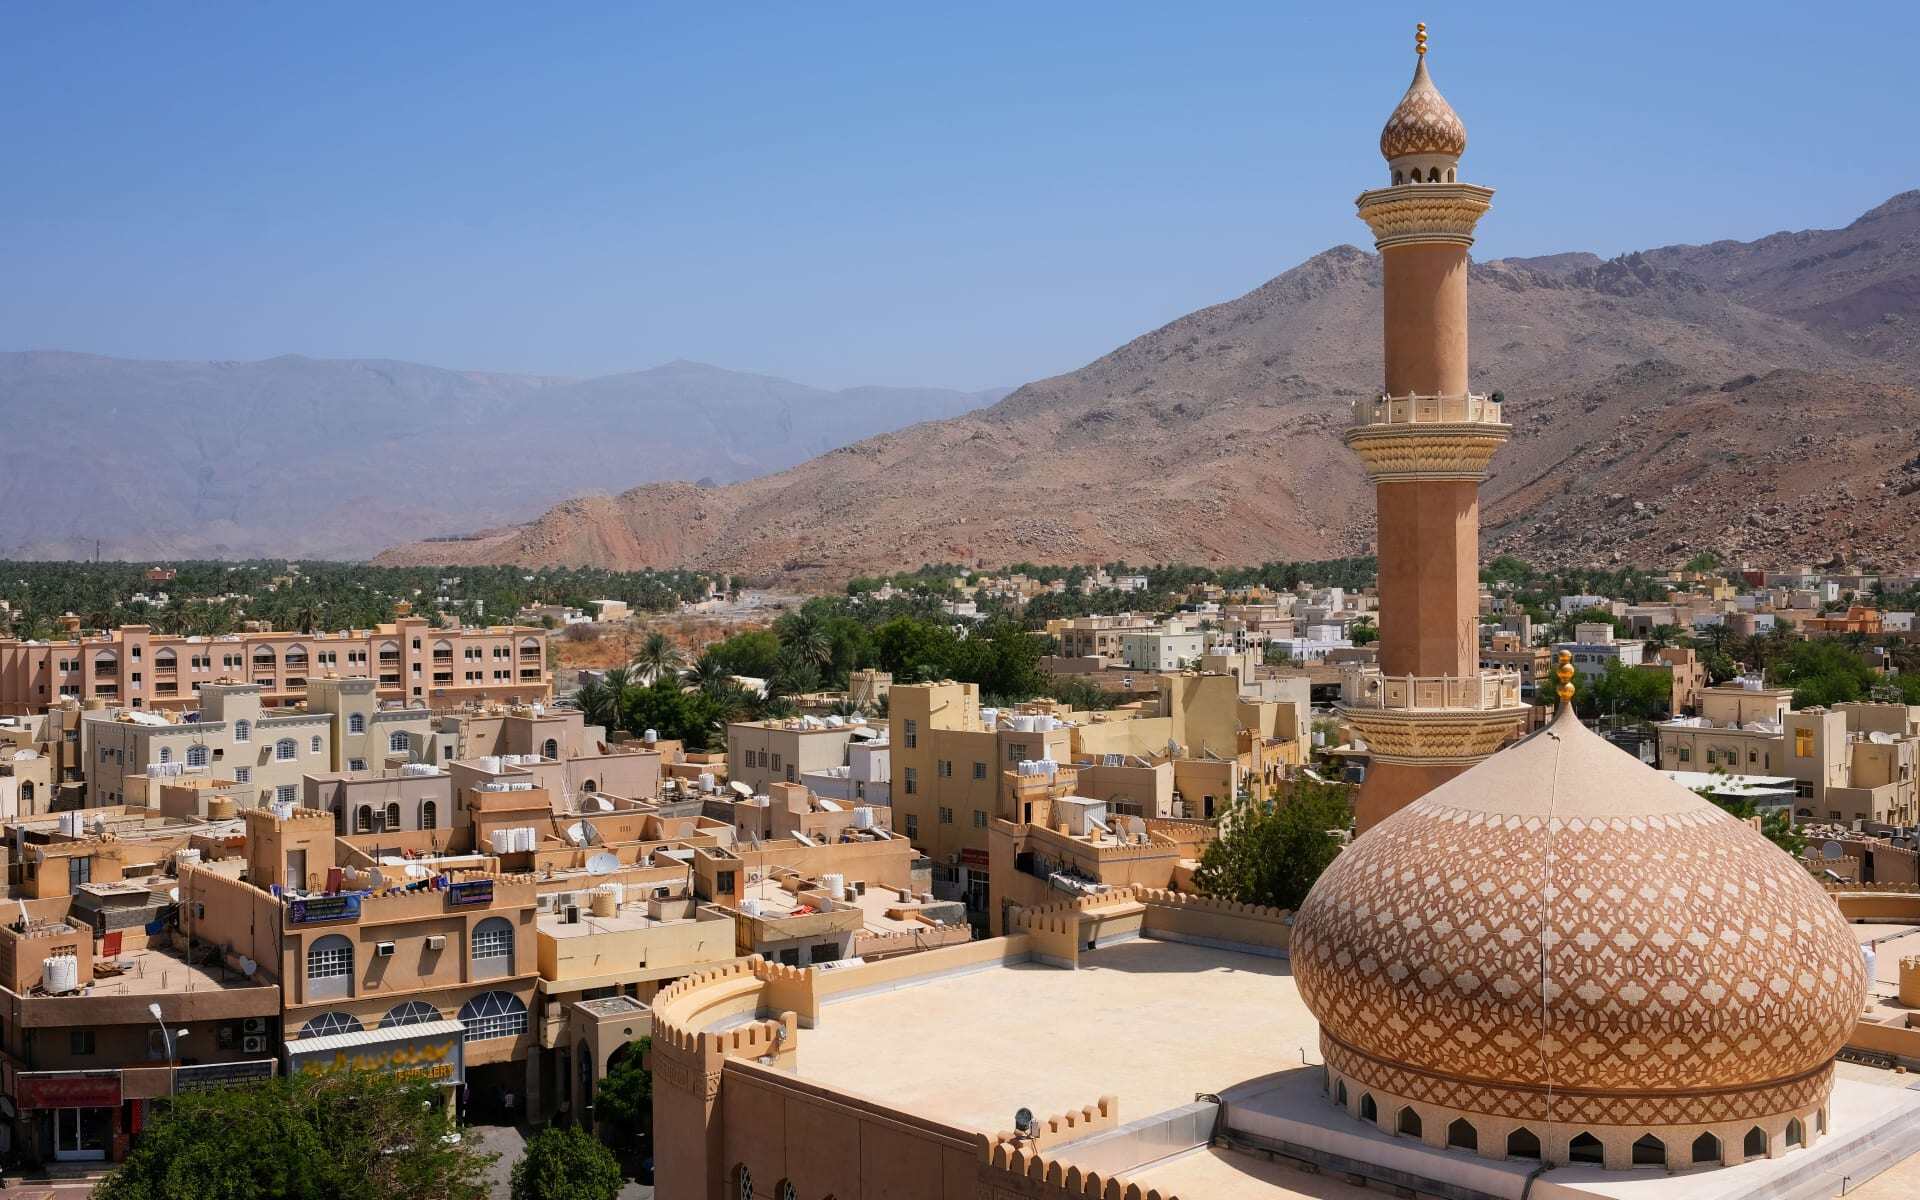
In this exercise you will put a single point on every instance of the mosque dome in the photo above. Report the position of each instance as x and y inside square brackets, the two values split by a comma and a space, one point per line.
[1563, 937]
[1423, 122]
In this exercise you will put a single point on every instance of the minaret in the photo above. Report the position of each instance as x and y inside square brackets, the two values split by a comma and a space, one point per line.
[1427, 713]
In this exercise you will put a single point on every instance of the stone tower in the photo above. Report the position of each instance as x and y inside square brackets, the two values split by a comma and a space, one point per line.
[1428, 712]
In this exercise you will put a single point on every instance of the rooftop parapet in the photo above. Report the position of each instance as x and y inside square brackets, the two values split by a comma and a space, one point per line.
[1468, 408]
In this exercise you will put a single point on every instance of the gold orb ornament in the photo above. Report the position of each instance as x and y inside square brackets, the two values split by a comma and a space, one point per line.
[1565, 674]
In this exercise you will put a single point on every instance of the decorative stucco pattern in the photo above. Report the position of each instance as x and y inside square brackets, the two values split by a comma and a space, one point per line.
[1423, 122]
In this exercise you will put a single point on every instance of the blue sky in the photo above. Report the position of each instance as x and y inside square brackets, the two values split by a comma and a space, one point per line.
[963, 195]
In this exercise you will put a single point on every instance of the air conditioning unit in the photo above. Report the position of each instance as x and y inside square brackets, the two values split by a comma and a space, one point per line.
[383, 950]
[437, 942]
[253, 1025]
[253, 1045]
[543, 903]
[571, 915]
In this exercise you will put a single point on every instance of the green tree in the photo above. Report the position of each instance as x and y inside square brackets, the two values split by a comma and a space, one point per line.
[1271, 851]
[1776, 825]
[658, 657]
[752, 653]
[623, 1101]
[1824, 672]
[1363, 632]
[565, 1164]
[1637, 693]
[351, 1135]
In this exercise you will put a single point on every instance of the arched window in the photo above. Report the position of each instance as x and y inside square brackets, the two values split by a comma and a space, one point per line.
[1461, 1135]
[429, 815]
[586, 1074]
[592, 787]
[743, 1182]
[1433, 175]
[1369, 1111]
[164, 660]
[1796, 1133]
[393, 814]
[1706, 1149]
[106, 664]
[492, 1015]
[263, 658]
[1756, 1144]
[413, 1012]
[1340, 1093]
[397, 743]
[1522, 1143]
[1649, 1151]
[363, 819]
[243, 731]
[196, 756]
[1819, 1118]
[1585, 1148]
[529, 646]
[550, 749]
[166, 754]
[1398, 177]
[1409, 1122]
[329, 1023]
[329, 967]
[26, 791]
[788, 1191]
[286, 750]
[356, 723]
[493, 947]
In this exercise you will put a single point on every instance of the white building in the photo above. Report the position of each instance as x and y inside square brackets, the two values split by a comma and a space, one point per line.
[1594, 646]
[1167, 649]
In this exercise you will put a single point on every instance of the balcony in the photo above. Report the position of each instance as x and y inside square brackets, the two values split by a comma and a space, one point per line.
[1470, 408]
[1492, 690]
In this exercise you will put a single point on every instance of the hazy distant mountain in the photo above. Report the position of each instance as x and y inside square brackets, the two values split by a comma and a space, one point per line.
[336, 458]
[1755, 398]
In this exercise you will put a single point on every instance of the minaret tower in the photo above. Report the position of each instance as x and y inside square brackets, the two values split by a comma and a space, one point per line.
[1428, 713]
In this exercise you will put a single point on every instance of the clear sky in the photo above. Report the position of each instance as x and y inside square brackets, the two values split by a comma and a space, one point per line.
[963, 195]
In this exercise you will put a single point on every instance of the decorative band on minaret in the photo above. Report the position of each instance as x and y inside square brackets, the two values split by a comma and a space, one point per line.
[1427, 712]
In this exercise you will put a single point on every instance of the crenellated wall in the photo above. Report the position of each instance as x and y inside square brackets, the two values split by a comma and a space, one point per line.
[1016, 1166]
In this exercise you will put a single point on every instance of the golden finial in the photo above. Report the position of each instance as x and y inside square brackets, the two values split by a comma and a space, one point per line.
[1420, 38]
[1565, 674]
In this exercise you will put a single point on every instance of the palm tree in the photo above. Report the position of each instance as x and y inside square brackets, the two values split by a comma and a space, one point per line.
[1662, 636]
[304, 616]
[706, 669]
[598, 704]
[806, 637]
[659, 657]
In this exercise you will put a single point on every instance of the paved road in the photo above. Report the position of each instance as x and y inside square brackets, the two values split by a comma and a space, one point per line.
[507, 1141]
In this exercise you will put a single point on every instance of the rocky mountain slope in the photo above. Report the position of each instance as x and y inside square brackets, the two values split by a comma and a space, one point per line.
[307, 457]
[1732, 396]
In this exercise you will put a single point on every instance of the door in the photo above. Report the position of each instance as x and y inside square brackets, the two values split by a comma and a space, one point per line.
[82, 1134]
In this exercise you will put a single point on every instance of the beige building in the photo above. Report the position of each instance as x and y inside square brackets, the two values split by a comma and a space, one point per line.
[236, 738]
[763, 753]
[408, 660]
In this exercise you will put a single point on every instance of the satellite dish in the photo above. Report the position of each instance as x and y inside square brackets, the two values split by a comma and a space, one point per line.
[173, 894]
[1023, 1122]
[577, 833]
[416, 871]
[375, 880]
[603, 863]
[1833, 850]
[741, 789]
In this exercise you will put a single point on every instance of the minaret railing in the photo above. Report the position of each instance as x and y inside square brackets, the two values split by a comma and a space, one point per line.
[1487, 690]
[1464, 408]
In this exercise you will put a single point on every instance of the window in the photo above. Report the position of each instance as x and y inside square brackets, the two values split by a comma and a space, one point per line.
[393, 814]
[429, 815]
[330, 1023]
[943, 768]
[1369, 1111]
[910, 781]
[196, 756]
[1016, 751]
[946, 815]
[910, 734]
[1649, 1151]
[550, 749]
[493, 947]
[166, 754]
[286, 750]
[492, 1015]
[397, 743]
[413, 1012]
[1461, 1135]
[1796, 1133]
[1803, 743]
[243, 731]
[1706, 1149]
[243, 774]
[723, 882]
[363, 819]
[979, 818]
[776, 762]
[286, 793]
[825, 952]
[356, 723]
[316, 743]
[80, 1041]
[1522, 1143]
[1409, 1122]
[979, 770]
[1755, 1145]
[356, 764]
[330, 967]
[1585, 1148]
[913, 825]
[1686, 755]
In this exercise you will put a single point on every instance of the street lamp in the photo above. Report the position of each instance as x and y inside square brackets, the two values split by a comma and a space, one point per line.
[167, 1036]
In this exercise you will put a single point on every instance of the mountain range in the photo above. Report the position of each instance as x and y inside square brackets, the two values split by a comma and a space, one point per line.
[303, 457]
[1753, 398]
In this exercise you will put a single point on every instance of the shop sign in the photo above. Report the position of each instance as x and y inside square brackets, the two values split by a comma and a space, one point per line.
[323, 908]
[469, 892]
[974, 858]
[437, 1059]
[98, 1089]
[213, 1075]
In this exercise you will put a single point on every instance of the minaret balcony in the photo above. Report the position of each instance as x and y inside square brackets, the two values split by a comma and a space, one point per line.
[1484, 691]
[1465, 408]
[1433, 719]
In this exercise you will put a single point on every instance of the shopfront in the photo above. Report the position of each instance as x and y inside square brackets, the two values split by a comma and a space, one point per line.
[431, 1050]
[75, 1116]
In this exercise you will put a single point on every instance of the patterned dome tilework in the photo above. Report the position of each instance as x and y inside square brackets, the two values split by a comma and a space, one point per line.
[1682, 951]
[1423, 122]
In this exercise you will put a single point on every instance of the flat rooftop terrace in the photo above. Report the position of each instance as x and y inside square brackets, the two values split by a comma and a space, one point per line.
[1150, 1022]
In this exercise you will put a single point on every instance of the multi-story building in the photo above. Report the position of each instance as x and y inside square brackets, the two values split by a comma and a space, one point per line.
[762, 753]
[1169, 648]
[1086, 637]
[408, 659]
[1594, 648]
[266, 750]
